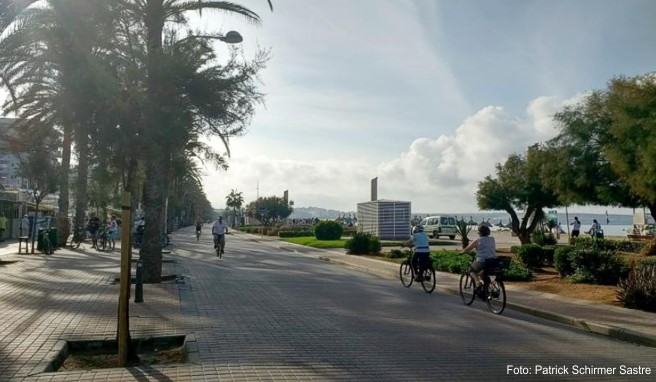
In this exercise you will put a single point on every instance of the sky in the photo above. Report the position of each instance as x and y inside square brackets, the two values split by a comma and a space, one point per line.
[425, 95]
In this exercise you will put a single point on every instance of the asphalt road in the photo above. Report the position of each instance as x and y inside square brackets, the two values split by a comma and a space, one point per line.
[267, 309]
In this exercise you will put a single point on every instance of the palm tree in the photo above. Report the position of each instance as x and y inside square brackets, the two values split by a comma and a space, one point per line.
[52, 59]
[167, 122]
[235, 200]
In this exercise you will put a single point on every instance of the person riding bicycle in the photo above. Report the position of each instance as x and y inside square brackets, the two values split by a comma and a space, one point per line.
[219, 229]
[199, 226]
[486, 250]
[419, 240]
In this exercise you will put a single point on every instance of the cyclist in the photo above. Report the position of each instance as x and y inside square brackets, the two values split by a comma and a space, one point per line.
[219, 229]
[486, 249]
[199, 225]
[93, 226]
[419, 240]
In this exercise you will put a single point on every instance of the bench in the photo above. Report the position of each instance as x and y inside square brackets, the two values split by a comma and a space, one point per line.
[21, 240]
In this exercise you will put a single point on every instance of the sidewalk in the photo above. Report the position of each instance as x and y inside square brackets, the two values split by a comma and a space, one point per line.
[628, 325]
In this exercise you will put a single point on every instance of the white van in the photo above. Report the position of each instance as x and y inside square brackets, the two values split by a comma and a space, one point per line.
[436, 226]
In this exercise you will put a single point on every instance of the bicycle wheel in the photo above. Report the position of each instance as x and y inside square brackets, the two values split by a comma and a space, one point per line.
[197, 235]
[428, 282]
[103, 242]
[406, 274]
[495, 293]
[467, 289]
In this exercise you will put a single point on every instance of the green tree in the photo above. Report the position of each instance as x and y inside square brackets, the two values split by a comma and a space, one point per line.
[276, 209]
[234, 200]
[35, 147]
[53, 60]
[518, 186]
[176, 102]
[631, 144]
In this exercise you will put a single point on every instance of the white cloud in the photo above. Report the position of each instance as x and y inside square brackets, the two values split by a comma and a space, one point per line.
[436, 174]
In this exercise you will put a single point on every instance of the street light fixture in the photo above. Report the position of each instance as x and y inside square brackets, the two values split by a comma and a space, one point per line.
[232, 37]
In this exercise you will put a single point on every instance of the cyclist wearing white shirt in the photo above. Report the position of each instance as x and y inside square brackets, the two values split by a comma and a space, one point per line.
[219, 229]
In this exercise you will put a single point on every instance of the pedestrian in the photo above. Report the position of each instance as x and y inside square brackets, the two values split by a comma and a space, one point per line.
[576, 227]
[595, 229]
[25, 226]
[94, 227]
[113, 232]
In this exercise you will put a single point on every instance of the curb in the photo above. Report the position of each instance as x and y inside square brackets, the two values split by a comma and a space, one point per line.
[610, 331]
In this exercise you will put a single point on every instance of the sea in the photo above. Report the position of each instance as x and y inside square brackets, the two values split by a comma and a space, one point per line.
[612, 224]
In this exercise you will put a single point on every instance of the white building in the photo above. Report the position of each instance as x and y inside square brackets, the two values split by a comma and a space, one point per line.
[386, 219]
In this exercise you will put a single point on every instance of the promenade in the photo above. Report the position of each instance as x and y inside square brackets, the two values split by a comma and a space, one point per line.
[73, 295]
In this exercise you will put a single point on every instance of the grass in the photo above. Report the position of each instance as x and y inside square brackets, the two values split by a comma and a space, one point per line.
[314, 243]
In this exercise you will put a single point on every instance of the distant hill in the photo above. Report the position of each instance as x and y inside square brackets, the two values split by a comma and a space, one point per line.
[316, 212]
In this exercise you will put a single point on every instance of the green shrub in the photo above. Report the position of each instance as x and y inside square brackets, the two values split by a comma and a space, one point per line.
[649, 248]
[374, 245]
[517, 272]
[531, 255]
[541, 238]
[449, 261]
[397, 254]
[295, 233]
[515, 248]
[638, 290]
[598, 267]
[609, 244]
[328, 230]
[549, 252]
[563, 260]
[362, 244]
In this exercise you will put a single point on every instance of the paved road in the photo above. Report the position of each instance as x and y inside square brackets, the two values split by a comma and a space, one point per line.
[267, 313]
[262, 306]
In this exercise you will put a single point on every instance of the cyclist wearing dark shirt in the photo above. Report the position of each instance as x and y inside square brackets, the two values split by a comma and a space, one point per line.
[93, 226]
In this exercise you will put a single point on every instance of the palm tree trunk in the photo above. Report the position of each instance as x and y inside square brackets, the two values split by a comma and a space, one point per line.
[81, 201]
[63, 225]
[154, 200]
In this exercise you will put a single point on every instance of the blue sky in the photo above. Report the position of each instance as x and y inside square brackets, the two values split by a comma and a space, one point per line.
[425, 95]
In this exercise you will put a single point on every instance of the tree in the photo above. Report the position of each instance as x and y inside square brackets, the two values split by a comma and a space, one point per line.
[275, 207]
[234, 200]
[518, 186]
[34, 147]
[631, 145]
[53, 60]
[170, 109]
[604, 148]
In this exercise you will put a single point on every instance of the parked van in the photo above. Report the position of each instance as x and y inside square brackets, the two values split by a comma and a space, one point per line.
[436, 226]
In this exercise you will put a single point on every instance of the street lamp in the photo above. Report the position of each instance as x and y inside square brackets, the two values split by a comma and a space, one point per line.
[232, 37]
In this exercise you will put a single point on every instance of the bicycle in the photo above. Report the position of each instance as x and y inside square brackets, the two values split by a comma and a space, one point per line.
[493, 291]
[197, 234]
[219, 245]
[102, 240]
[77, 238]
[407, 274]
[137, 240]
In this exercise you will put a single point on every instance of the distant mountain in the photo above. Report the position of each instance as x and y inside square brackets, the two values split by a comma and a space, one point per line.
[316, 212]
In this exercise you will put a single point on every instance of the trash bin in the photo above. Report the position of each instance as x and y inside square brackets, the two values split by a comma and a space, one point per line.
[54, 237]
[39, 240]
